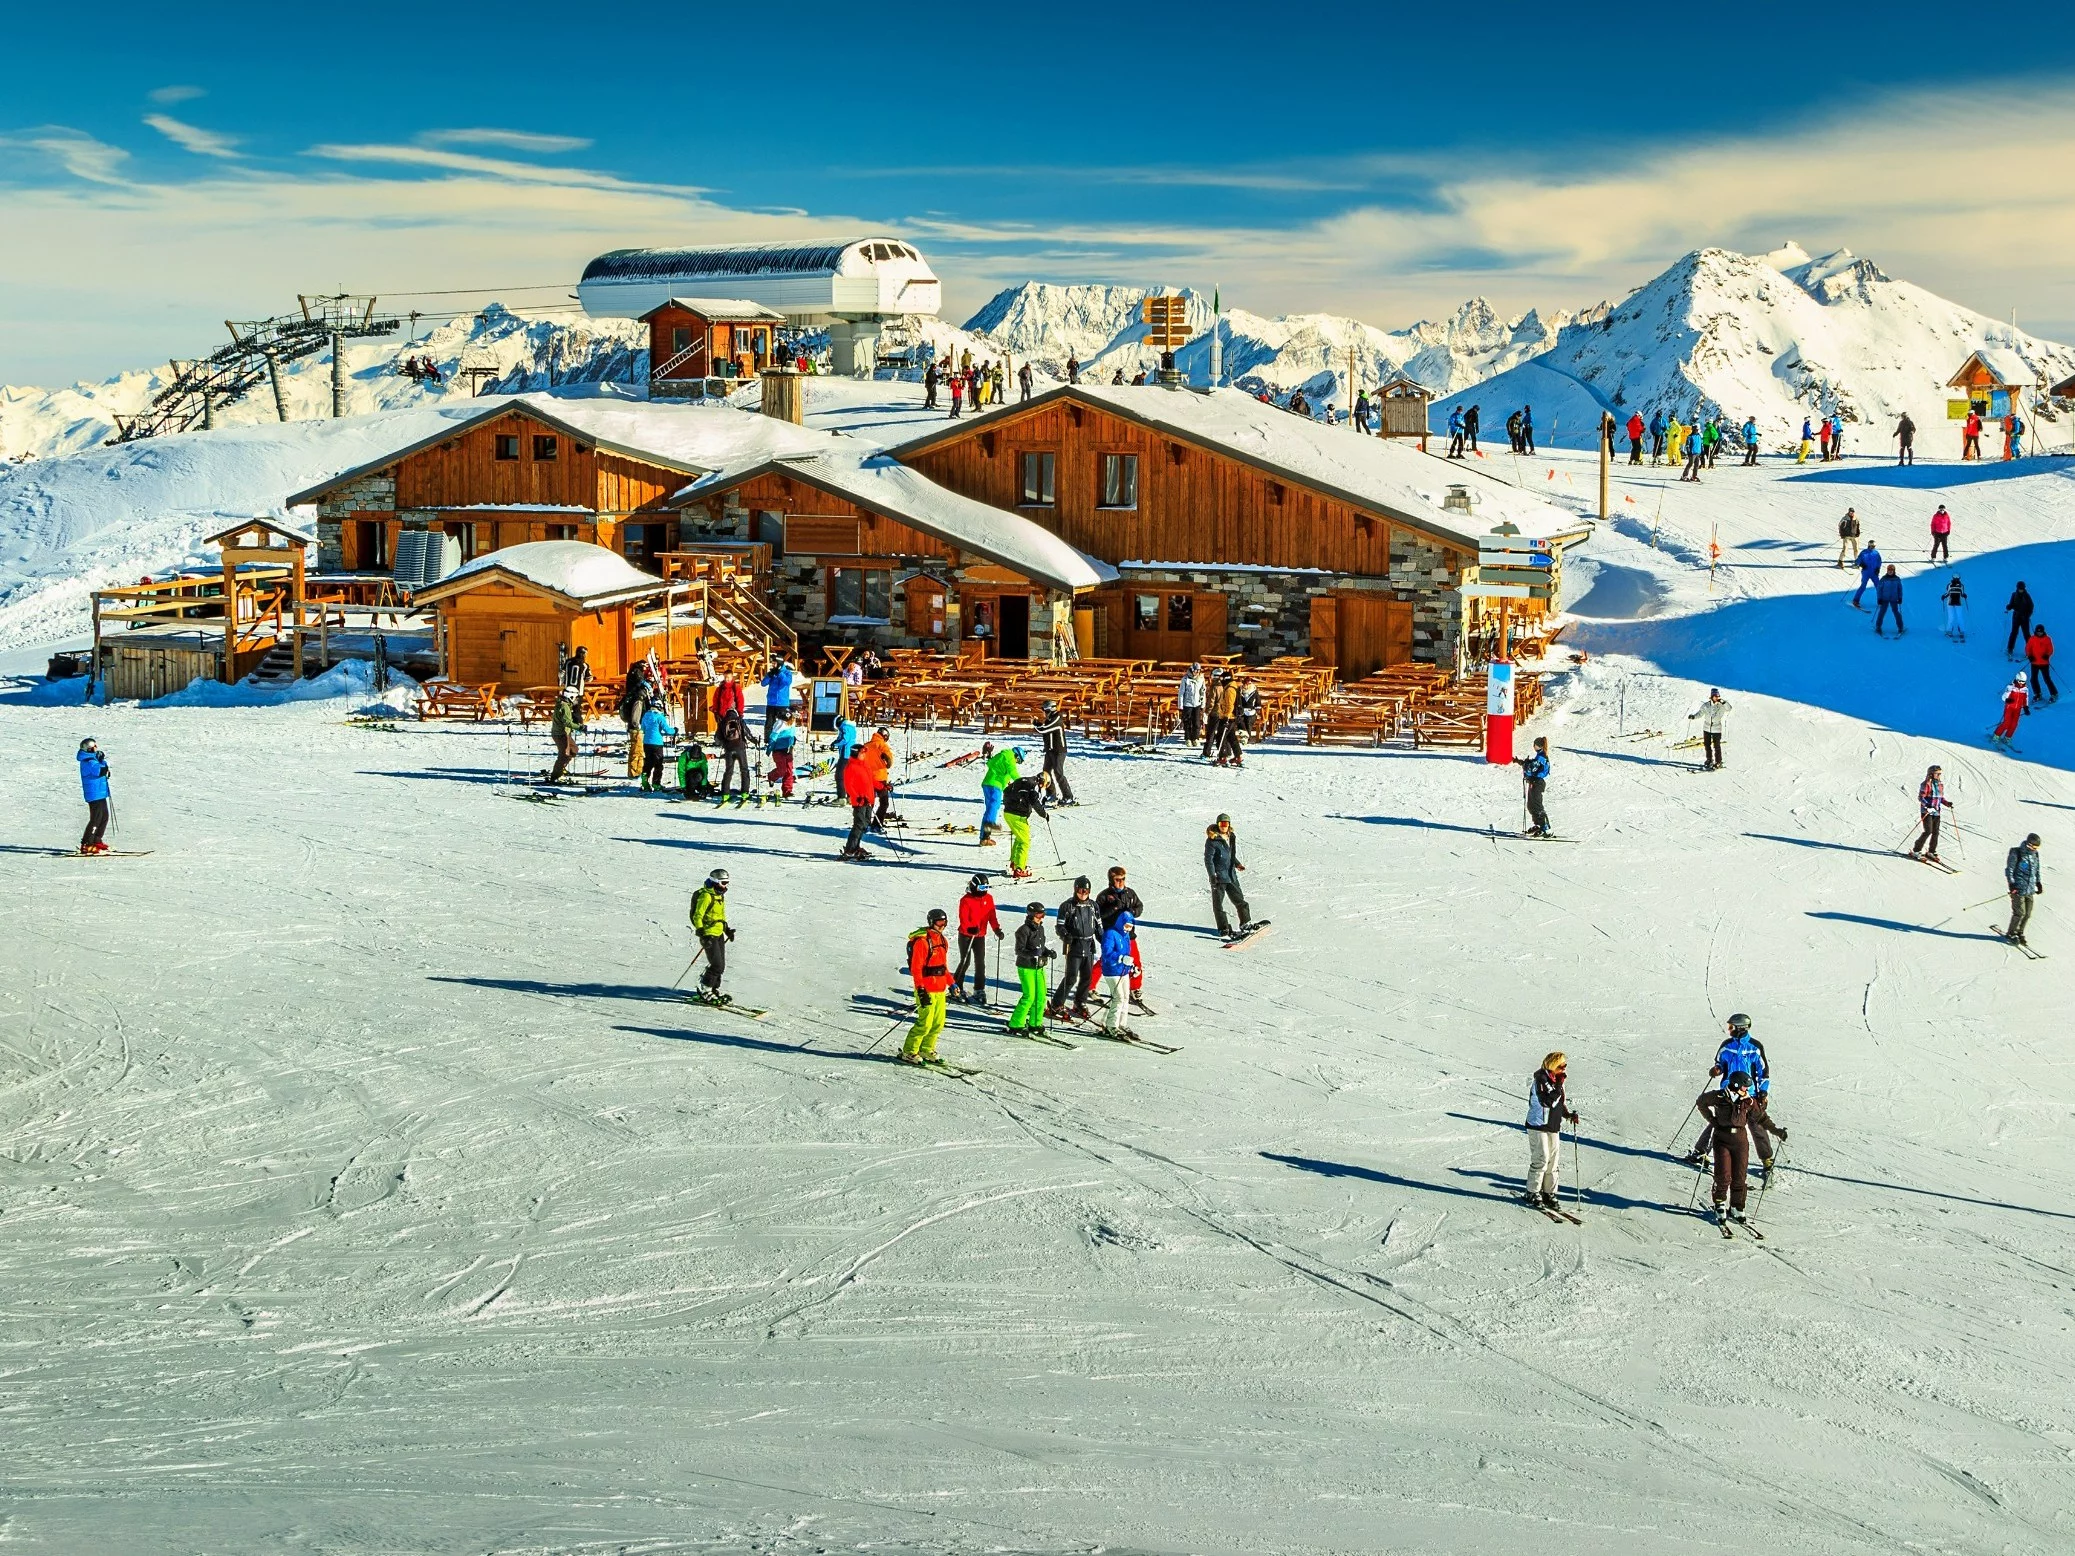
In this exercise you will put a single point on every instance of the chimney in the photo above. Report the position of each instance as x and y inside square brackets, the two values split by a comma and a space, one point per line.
[785, 395]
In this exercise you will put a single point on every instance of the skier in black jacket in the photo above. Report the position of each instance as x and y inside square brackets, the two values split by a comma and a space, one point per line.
[1079, 927]
[1112, 903]
[1031, 955]
[1052, 730]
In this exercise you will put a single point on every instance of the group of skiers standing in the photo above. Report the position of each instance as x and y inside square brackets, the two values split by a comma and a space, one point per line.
[1464, 425]
[979, 384]
[1218, 711]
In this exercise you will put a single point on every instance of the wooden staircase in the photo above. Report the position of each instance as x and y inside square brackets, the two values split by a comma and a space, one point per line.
[276, 671]
[738, 621]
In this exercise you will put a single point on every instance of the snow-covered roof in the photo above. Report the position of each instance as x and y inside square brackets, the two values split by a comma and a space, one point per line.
[873, 482]
[2002, 366]
[293, 534]
[1378, 475]
[582, 575]
[690, 439]
[875, 411]
[723, 310]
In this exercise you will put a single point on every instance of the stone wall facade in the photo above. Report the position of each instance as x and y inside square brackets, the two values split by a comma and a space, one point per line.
[370, 494]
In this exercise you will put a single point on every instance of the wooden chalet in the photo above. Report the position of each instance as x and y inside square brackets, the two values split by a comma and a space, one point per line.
[508, 618]
[1235, 527]
[693, 341]
[866, 550]
[1991, 382]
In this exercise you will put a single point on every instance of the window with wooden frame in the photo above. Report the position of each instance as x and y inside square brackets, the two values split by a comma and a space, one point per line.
[861, 593]
[1145, 612]
[464, 535]
[1040, 469]
[561, 532]
[507, 445]
[1119, 481]
[680, 339]
[544, 446]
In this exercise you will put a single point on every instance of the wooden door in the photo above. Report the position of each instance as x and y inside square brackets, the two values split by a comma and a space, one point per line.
[1325, 629]
[1374, 632]
[1208, 633]
[527, 654]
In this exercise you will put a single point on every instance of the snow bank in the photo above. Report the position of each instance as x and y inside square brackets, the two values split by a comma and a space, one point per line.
[352, 678]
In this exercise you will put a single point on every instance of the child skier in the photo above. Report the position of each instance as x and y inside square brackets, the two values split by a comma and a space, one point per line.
[1534, 773]
[93, 786]
[1117, 968]
[1547, 1110]
[2015, 697]
[710, 926]
[779, 742]
[976, 915]
[1955, 598]
[929, 957]
[1028, 1019]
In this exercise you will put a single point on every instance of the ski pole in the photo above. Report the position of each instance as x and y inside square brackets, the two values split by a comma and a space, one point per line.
[883, 1036]
[1779, 1161]
[1054, 837]
[1577, 1172]
[697, 957]
[1693, 1199]
[2000, 896]
[1691, 1109]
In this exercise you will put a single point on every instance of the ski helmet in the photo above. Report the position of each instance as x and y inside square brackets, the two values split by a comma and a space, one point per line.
[1738, 1080]
[938, 916]
[718, 878]
[1051, 706]
[1036, 908]
[977, 883]
[2021, 678]
[1739, 1022]
[1081, 883]
[1017, 751]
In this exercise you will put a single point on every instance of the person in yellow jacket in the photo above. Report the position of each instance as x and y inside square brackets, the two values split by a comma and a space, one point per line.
[710, 926]
[1675, 440]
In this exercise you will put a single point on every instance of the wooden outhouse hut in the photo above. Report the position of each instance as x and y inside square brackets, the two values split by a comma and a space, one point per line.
[693, 341]
[1402, 403]
[508, 618]
[1991, 382]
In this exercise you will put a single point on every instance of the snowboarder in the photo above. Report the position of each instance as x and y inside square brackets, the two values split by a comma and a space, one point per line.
[1019, 802]
[1052, 730]
[1117, 972]
[1848, 536]
[1941, 534]
[1188, 699]
[976, 916]
[1869, 574]
[562, 726]
[733, 735]
[1905, 435]
[1547, 1113]
[1711, 715]
[1956, 610]
[710, 928]
[1931, 805]
[929, 957]
[2015, 698]
[778, 693]
[1728, 1113]
[2039, 654]
[1221, 864]
[779, 741]
[860, 789]
[2021, 874]
[656, 731]
[1888, 595]
[1028, 1018]
[2019, 609]
[1534, 774]
[1078, 924]
[93, 786]
[1000, 772]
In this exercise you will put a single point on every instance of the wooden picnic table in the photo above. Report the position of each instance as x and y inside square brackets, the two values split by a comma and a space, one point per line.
[453, 700]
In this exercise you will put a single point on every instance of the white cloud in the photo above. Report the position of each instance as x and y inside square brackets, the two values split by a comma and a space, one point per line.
[72, 150]
[189, 137]
[176, 94]
[494, 168]
[510, 140]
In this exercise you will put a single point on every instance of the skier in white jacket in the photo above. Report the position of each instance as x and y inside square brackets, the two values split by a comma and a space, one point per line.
[1712, 714]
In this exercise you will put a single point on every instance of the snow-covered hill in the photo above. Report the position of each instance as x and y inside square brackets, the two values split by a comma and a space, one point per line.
[525, 351]
[1778, 336]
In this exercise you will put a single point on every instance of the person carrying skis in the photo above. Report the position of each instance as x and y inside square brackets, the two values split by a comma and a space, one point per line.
[1848, 536]
[1728, 1113]
[1955, 598]
[2021, 873]
[1188, 699]
[1941, 534]
[1711, 714]
[562, 726]
[1547, 1112]
[779, 741]
[1931, 805]
[1534, 773]
[1078, 924]
[656, 731]
[976, 915]
[1887, 594]
[1052, 730]
[1869, 574]
[1001, 771]
[93, 787]
[1019, 802]
[1221, 864]
[1118, 943]
[2039, 655]
[860, 789]
[2019, 608]
[1028, 1018]
[2015, 698]
[929, 957]
[778, 693]
[710, 928]
[1635, 429]
[1905, 435]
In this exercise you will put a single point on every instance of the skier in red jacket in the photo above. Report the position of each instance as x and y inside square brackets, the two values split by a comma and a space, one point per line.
[861, 788]
[929, 958]
[2014, 701]
[976, 916]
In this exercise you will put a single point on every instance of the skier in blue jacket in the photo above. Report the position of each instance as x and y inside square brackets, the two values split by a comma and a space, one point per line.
[1888, 595]
[1455, 433]
[656, 731]
[778, 693]
[1116, 972]
[1534, 772]
[1742, 1054]
[1869, 573]
[93, 786]
[1750, 440]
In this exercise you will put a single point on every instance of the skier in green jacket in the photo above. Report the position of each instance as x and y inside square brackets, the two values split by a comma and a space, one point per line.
[710, 925]
[1002, 770]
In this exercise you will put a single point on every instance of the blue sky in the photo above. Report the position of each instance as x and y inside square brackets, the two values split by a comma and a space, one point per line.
[160, 171]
